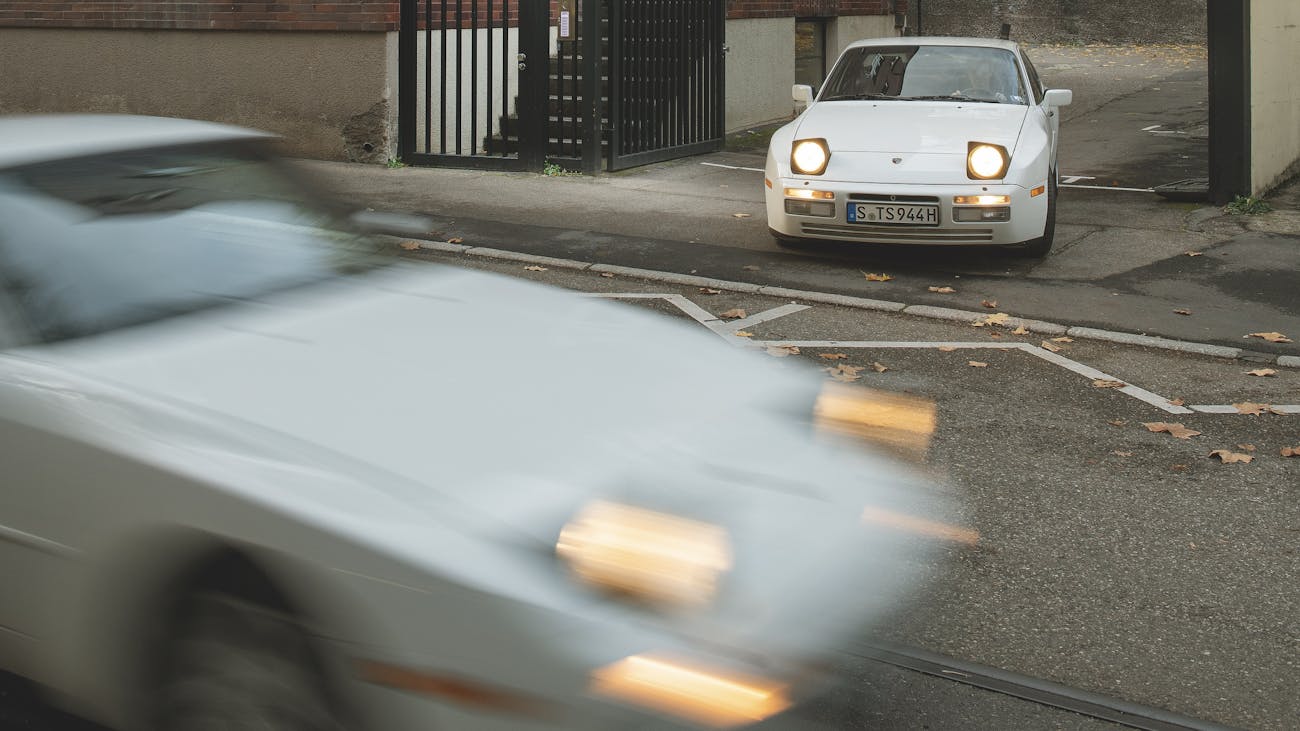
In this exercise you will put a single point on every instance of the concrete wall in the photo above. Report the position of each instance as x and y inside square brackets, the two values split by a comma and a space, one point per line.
[760, 64]
[1275, 92]
[332, 95]
[1066, 21]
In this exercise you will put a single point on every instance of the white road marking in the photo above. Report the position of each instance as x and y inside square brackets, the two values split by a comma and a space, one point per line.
[1154, 126]
[1075, 178]
[727, 331]
[731, 167]
[1109, 187]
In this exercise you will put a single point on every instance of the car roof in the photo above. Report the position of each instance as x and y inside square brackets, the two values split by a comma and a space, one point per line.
[28, 139]
[939, 41]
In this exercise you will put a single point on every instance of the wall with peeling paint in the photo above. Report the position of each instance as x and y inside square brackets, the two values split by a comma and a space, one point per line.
[332, 95]
[1275, 92]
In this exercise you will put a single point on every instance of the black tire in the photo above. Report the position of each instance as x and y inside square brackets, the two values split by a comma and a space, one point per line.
[233, 663]
[1039, 247]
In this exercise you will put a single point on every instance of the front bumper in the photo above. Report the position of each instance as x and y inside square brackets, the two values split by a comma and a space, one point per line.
[1026, 220]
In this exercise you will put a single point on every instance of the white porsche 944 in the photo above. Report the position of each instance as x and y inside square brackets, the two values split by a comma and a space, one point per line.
[257, 474]
[921, 141]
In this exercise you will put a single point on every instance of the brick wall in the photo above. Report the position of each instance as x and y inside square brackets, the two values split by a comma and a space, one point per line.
[737, 9]
[344, 15]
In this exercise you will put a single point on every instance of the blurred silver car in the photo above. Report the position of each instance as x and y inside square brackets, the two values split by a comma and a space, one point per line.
[258, 476]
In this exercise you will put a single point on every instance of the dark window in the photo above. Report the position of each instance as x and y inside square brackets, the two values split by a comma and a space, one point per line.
[938, 72]
[1033, 79]
[810, 52]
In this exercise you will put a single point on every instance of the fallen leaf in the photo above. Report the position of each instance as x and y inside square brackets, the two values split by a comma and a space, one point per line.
[995, 334]
[1176, 402]
[1194, 253]
[409, 245]
[1227, 457]
[1178, 467]
[1291, 451]
[1251, 409]
[1271, 337]
[455, 240]
[750, 268]
[706, 290]
[1062, 339]
[1182, 312]
[991, 304]
[735, 314]
[607, 275]
[1117, 422]
[845, 373]
[1262, 372]
[1050, 346]
[1176, 430]
[879, 367]
[873, 277]
[946, 349]
[1108, 384]
[943, 290]
[740, 215]
[977, 364]
[835, 356]
[1118, 453]
[534, 268]
[743, 334]
[783, 350]
[1246, 447]
[1021, 330]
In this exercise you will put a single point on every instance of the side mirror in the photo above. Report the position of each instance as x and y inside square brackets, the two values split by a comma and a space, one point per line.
[802, 94]
[1058, 97]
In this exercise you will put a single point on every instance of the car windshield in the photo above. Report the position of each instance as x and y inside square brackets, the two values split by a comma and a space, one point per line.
[926, 73]
[96, 243]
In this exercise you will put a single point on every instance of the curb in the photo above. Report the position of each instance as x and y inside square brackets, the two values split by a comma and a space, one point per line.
[927, 311]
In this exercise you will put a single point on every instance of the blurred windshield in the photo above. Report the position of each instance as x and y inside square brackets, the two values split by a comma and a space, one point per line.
[91, 244]
[929, 73]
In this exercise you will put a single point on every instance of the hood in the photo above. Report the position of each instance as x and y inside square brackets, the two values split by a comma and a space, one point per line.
[894, 127]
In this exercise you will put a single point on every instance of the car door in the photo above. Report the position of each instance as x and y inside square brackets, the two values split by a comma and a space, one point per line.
[1039, 93]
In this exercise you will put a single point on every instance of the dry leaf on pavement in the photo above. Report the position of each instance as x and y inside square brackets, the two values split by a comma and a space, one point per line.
[1050, 346]
[409, 245]
[1194, 253]
[1251, 409]
[781, 351]
[1182, 312]
[1227, 457]
[1291, 451]
[1021, 330]
[879, 367]
[534, 268]
[734, 314]
[740, 215]
[946, 349]
[845, 373]
[1176, 402]
[873, 277]
[1176, 430]
[1271, 337]
[977, 364]
[1262, 372]
[991, 304]
[834, 356]
[743, 334]
[607, 275]
[1178, 467]
[1246, 447]
[455, 240]
[1062, 339]
[1117, 422]
[943, 290]
[1108, 384]
[707, 290]
[995, 334]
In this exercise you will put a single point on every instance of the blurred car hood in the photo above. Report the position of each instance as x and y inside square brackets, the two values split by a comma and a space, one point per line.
[911, 127]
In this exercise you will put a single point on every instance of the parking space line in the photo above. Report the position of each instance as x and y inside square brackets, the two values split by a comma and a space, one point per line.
[1108, 187]
[1280, 410]
[731, 167]
[766, 315]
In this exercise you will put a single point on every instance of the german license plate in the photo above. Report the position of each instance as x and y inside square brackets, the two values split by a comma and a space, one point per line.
[894, 213]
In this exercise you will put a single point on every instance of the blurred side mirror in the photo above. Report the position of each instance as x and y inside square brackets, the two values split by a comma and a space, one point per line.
[802, 94]
[394, 224]
[1058, 97]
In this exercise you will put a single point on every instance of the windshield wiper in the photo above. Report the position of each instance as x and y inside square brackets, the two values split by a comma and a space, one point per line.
[855, 97]
[948, 98]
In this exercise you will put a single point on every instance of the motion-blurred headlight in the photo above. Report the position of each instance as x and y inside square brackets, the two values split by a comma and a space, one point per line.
[645, 554]
[898, 423]
[985, 161]
[810, 157]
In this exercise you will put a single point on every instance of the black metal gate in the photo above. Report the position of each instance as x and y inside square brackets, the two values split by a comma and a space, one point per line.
[667, 79]
[490, 84]
[471, 83]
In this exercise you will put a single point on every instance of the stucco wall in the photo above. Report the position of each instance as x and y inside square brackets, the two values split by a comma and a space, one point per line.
[1275, 92]
[1089, 21]
[760, 71]
[331, 95]
[849, 28]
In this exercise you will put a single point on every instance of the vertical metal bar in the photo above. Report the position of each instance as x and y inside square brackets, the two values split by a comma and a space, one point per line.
[428, 75]
[718, 82]
[506, 8]
[491, 93]
[407, 54]
[460, 73]
[617, 64]
[442, 79]
[589, 15]
[473, 84]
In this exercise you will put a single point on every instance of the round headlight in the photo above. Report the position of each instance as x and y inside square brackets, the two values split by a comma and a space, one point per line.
[809, 157]
[986, 161]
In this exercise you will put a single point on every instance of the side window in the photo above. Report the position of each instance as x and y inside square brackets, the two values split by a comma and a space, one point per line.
[1033, 79]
